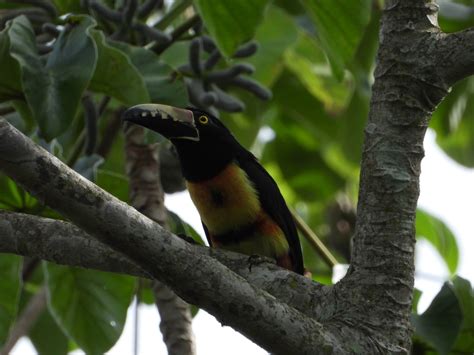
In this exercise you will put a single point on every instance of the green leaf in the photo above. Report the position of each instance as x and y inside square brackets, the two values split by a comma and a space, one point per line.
[340, 25]
[90, 306]
[439, 325]
[114, 183]
[301, 163]
[178, 226]
[231, 22]
[28, 125]
[275, 35]
[10, 75]
[163, 85]
[308, 62]
[416, 298]
[68, 6]
[10, 286]
[292, 7]
[47, 337]
[297, 104]
[465, 295]
[440, 236]
[115, 75]
[11, 194]
[53, 89]
[453, 122]
[351, 126]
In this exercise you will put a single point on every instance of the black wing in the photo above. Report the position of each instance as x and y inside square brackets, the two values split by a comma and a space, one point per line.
[273, 203]
[206, 231]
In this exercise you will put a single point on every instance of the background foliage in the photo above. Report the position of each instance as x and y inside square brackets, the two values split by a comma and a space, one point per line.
[290, 78]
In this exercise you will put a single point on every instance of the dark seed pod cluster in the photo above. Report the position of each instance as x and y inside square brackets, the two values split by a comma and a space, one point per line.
[128, 22]
[207, 85]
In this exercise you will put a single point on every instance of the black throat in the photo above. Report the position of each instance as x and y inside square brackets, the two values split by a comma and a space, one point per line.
[199, 163]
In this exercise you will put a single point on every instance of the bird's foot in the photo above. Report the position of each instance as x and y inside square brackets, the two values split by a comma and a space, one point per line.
[255, 259]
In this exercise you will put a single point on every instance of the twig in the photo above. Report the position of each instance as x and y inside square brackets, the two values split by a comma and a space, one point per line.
[314, 240]
[172, 14]
[79, 145]
[112, 129]
[178, 31]
[35, 307]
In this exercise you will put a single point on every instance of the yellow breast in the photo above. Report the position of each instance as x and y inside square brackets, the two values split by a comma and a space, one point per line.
[225, 201]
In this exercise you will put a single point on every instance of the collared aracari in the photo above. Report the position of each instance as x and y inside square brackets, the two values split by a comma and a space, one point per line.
[240, 205]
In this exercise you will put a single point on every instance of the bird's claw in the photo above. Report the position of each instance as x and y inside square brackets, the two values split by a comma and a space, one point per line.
[257, 260]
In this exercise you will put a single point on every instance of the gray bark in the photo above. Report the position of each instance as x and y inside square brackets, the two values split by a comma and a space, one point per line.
[197, 278]
[63, 243]
[366, 312]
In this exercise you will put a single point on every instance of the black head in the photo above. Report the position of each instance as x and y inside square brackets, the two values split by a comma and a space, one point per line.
[205, 146]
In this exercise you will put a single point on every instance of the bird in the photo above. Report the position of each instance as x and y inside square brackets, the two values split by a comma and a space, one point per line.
[240, 204]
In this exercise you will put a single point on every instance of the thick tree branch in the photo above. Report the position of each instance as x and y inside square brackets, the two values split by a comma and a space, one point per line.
[63, 243]
[408, 86]
[197, 278]
[456, 56]
[60, 242]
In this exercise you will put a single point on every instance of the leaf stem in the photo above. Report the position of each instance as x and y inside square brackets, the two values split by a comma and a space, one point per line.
[177, 32]
[314, 240]
[172, 14]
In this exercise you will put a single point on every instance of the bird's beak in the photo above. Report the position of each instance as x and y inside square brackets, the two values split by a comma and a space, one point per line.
[169, 121]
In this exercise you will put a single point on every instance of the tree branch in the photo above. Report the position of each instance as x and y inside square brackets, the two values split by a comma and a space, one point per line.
[456, 56]
[408, 86]
[197, 278]
[60, 242]
[63, 243]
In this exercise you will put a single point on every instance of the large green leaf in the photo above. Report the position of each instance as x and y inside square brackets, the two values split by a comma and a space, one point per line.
[53, 89]
[90, 306]
[308, 62]
[448, 323]
[10, 196]
[47, 337]
[440, 236]
[114, 183]
[275, 35]
[231, 22]
[68, 6]
[340, 25]
[178, 226]
[301, 163]
[439, 325]
[10, 76]
[453, 122]
[10, 285]
[465, 295]
[351, 124]
[297, 104]
[161, 82]
[115, 75]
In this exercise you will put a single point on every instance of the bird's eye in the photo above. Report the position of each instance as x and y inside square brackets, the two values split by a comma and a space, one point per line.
[203, 119]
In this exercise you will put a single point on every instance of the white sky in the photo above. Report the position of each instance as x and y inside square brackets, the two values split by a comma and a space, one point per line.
[447, 191]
